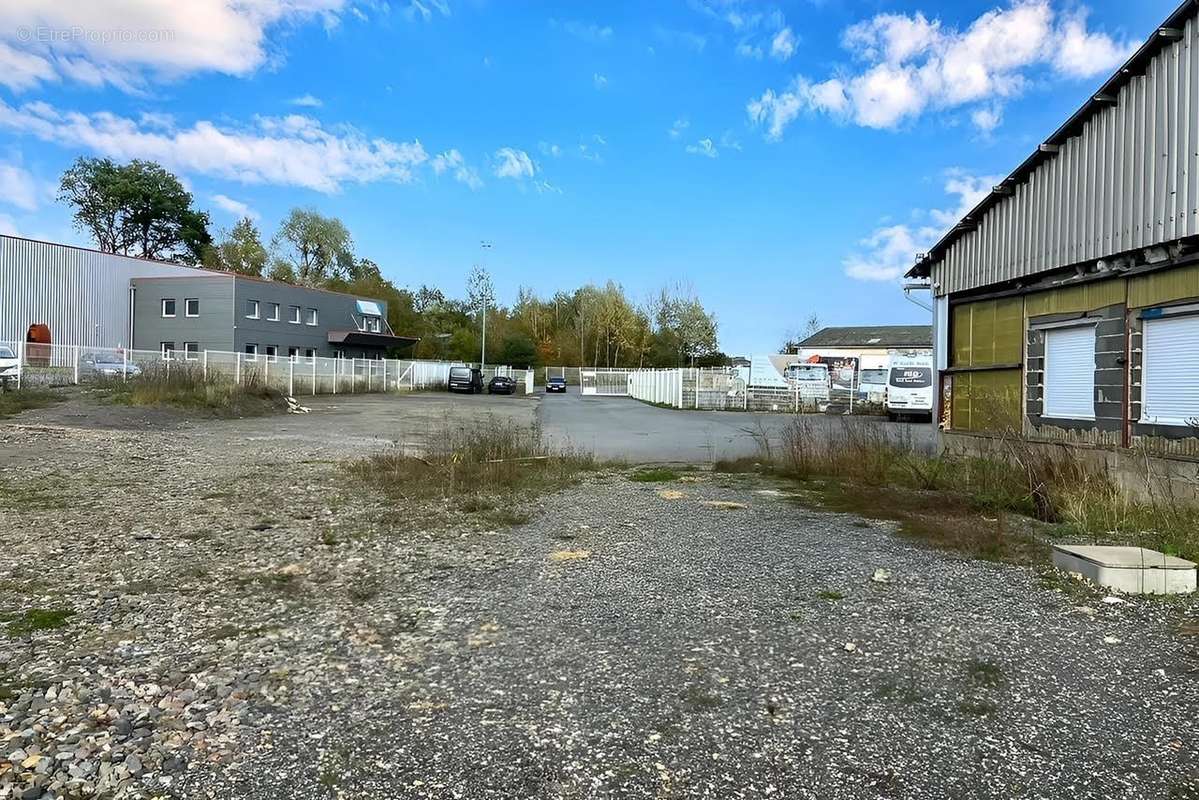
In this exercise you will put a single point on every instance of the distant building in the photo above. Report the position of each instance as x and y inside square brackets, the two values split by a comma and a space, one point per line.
[1067, 300]
[75, 296]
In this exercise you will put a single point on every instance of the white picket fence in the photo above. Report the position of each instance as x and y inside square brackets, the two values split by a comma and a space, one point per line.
[60, 365]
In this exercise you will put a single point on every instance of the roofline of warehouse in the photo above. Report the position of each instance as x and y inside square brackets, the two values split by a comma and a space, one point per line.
[1104, 97]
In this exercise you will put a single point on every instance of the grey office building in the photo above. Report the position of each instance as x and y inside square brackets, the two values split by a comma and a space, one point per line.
[230, 312]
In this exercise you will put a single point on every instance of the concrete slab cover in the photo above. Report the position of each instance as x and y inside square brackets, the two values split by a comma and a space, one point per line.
[1124, 557]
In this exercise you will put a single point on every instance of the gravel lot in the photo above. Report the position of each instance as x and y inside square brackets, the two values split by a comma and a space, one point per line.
[245, 624]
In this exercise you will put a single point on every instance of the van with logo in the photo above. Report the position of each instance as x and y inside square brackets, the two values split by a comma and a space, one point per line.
[910, 385]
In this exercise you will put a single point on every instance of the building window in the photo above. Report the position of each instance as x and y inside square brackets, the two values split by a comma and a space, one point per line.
[272, 353]
[293, 315]
[293, 353]
[1070, 372]
[168, 307]
[272, 312]
[168, 349]
[311, 316]
[372, 324]
[252, 352]
[310, 354]
[1170, 394]
[191, 307]
[191, 350]
[251, 309]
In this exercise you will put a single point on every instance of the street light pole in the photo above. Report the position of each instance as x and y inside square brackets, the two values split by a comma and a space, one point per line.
[484, 246]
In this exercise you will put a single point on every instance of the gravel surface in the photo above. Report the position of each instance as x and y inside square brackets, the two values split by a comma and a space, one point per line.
[244, 624]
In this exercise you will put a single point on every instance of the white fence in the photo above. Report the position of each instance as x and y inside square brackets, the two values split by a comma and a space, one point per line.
[726, 390]
[61, 365]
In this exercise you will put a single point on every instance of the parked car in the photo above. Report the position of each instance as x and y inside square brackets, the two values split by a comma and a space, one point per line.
[555, 385]
[108, 365]
[466, 379]
[501, 384]
[10, 367]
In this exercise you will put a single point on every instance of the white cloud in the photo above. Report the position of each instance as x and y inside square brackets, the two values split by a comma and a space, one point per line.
[425, 10]
[747, 50]
[1082, 54]
[288, 151]
[452, 161]
[987, 118]
[782, 46]
[513, 163]
[891, 250]
[587, 31]
[888, 253]
[911, 65]
[18, 188]
[704, 147]
[235, 207]
[549, 149]
[970, 190]
[95, 43]
[600, 81]
[681, 124]
[306, 101]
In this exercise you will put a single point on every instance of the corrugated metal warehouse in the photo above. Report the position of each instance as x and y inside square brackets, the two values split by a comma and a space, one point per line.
[1067, 301]
[81, 296]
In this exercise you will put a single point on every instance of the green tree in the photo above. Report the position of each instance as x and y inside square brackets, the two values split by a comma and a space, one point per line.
[315, 247]
[241, 251]
[136, 209]
[518, 350]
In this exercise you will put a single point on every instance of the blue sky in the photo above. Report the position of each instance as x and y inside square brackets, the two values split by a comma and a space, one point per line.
[780, 159]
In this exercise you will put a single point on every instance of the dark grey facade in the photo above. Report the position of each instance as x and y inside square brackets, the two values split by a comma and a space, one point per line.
[228, 312]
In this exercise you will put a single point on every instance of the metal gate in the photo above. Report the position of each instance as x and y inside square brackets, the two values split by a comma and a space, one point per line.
[605, 382]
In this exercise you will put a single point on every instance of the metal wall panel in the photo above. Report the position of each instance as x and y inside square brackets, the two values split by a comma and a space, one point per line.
[1128, 179]
[82, 295]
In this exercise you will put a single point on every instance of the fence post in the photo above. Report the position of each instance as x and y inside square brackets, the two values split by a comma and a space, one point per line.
[314, 373]
[291, 377]
[796, 389]
[336, 361]
[20, 363]
[204, 367]
[385, 376]
[76, 365]
[237, 369]
[852, 375]
[124, 365]
[698, 375]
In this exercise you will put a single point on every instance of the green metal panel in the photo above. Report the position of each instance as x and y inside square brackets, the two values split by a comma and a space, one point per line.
[1163, 287]
[987, 400]
[1075, 299]
[988, 332]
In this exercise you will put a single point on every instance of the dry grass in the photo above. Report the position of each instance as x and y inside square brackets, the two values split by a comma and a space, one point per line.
[483, 466]
[185, 385]
[559, 556]
[973, 504]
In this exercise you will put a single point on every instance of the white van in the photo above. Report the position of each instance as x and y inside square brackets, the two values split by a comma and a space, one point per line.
[910, 385]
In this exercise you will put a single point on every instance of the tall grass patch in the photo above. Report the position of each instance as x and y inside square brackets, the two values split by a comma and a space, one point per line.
[964, 502]
[186, 385]
[482, 465]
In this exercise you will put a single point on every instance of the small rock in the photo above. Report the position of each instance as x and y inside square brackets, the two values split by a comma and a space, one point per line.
[850, 647]
[1111, 640]
[1114, 601]
[881, 575]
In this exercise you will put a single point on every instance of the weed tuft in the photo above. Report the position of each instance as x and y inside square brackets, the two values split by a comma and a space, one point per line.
[654, 475]
[39, 619]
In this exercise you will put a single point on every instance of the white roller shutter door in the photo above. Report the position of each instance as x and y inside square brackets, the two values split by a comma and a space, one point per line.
[1170, 374]
[1070, 372]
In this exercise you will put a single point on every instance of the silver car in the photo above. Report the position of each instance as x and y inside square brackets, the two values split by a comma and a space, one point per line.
[109, 365]
[10, 367]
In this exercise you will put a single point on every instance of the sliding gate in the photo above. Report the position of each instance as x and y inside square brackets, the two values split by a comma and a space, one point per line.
[606, 382]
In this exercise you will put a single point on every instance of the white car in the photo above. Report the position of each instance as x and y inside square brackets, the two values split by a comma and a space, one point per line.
[10, 367]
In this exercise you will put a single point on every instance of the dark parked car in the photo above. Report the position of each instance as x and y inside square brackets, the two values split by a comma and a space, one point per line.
[555, 385]
[466, 379]
[501, 384]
